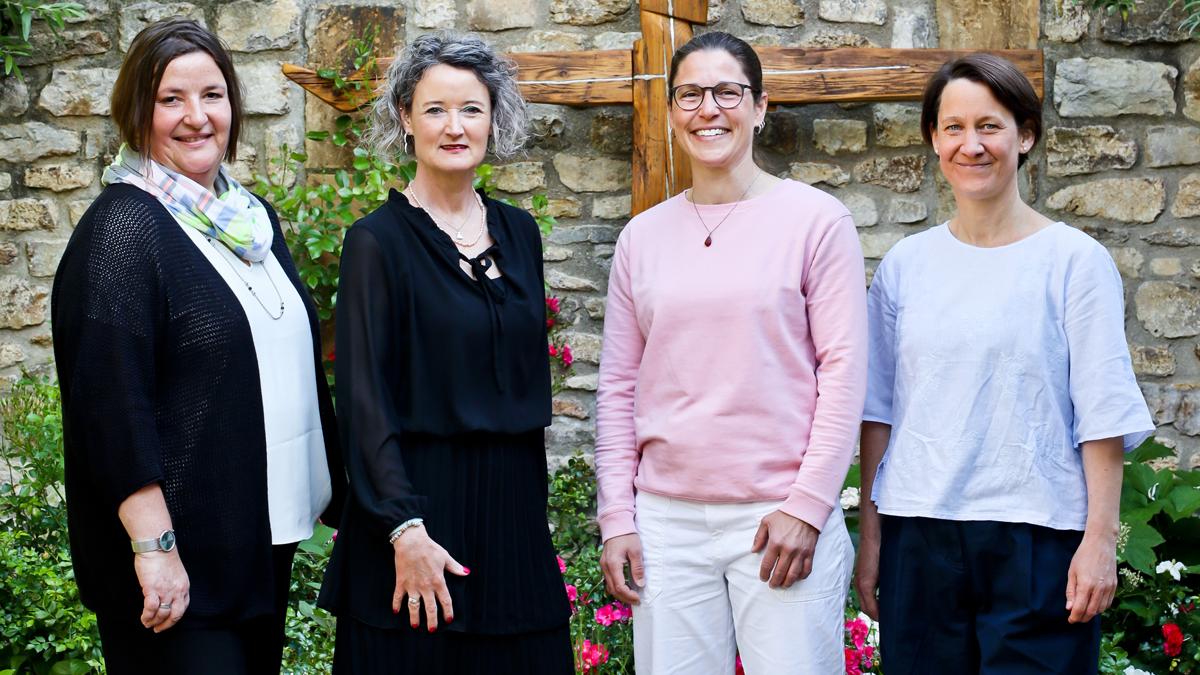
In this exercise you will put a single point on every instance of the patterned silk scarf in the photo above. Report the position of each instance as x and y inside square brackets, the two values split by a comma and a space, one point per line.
[235, 218]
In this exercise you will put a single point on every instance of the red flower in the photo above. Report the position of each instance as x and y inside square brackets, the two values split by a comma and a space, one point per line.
[592, 655]
[332, 355]
[567, 358]
[552, 304]
[737, 666]
[1172, 639]
[562, 564]
[549, 323]
[553, 350]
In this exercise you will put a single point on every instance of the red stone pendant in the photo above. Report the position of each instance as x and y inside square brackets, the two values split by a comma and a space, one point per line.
[708, 240]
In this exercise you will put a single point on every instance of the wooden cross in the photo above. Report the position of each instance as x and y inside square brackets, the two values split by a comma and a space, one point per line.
[606, 77]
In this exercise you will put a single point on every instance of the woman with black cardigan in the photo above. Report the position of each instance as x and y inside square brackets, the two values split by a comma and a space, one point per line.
[200, 439]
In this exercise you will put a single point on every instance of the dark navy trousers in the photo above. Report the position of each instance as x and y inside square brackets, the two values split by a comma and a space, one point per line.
[979, 598]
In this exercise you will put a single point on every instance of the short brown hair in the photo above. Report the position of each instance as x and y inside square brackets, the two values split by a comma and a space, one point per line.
[136, 89]
[1006, 82]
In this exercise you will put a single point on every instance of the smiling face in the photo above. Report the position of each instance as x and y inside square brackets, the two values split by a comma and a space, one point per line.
[450, 120]
[191, 118]
[977, 141]
[716, 137]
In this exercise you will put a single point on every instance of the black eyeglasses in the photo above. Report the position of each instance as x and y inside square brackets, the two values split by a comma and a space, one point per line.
[725, 94]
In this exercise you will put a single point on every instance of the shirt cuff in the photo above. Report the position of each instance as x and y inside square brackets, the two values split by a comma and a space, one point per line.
[806, 508]
[616, 524]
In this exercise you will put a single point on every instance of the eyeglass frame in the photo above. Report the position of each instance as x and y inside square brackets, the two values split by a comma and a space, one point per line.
[712, 92]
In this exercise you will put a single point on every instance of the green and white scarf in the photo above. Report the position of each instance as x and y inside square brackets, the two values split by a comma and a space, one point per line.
[233, 217]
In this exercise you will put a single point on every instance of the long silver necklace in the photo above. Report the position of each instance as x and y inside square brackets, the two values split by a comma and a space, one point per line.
[458, 236]
[247, 283]
[708, 239]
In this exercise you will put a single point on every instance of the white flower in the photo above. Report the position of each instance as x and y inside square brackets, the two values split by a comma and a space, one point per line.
[850, 498]
[1136, 671]
[1171, 566]
[1152, 493]
[872, 629]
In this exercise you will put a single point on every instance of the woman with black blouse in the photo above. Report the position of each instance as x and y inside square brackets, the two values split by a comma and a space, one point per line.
[444, 562]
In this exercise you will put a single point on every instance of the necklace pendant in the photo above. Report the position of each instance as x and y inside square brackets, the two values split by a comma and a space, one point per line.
[708, 240]
[458, 236]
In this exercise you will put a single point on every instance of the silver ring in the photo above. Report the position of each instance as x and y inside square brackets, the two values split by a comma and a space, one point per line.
[164, 605]
[414, 601]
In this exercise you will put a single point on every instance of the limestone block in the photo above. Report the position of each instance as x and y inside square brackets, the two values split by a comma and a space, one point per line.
[855, 11]
[593, 174]
[971, 24]
[550, 41]
[248, 26]
[603, 252]
[913, 28]
[519, 177]
[501, 14]
[582, 382]
[10, 354]
[1065, 22]
[595, 308]
[903, 173]
[8, 252]
[21, 303]
[579, 234]
[1191, 91]
[876, 244]
[587, 12]
[556, 254]
[14, 97]
[59, 177]
[246, 166]
[330, 29]
[1099, 87]
[78, 92]
[782, 13]
[1154, 21]
[92, 10]
[817, 172]
[838, 136]
[585, 347]
[897, 125]
[546, 127]
[1089, 149]
[826, 38]
[1129, 200]
[5, 181]
[1152, 360]
[1129, 261]
[322, 154]
[138, 15]
[1187, 200]
[1172, 146]
[76, 209]
[45, 47]
[1166, 267]
[1168, 309]
[557, 207]
[615, 40]
[568, 408]
[43, 256]
[781, 132]
[23, 215]
[862, 209]
[267, 90]
[567, 434]
[906, 210]
[1177, 237]
[561, 281]
[612, 132]
[435, 13]
[612, 208]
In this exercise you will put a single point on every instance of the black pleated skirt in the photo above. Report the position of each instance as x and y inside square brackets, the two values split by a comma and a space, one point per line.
[487, 507]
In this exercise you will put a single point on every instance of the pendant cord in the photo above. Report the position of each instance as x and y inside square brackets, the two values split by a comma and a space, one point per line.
[709, 232]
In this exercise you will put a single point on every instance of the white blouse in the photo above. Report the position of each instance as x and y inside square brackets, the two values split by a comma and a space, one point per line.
[298, 484]
[992, 366]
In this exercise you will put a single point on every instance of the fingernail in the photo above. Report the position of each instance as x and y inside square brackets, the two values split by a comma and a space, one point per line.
[395, 611]
[413, 625]
[466, 570]
[433, 629]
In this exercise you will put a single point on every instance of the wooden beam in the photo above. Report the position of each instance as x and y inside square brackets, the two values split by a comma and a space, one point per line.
[692, 11]
[841, 75]
[601, 77]
[660, 169]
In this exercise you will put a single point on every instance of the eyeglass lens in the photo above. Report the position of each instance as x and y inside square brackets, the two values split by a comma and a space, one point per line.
[725, 95]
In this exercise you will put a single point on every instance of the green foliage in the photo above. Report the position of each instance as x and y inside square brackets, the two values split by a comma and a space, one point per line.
[43, 627]
[309, 633]
[16, 26]
[1191, 10]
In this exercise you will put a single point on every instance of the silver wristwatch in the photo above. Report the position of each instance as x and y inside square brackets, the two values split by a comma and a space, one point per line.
[164, 542]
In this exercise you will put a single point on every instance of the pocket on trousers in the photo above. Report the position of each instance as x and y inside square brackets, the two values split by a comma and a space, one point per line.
[832, 562]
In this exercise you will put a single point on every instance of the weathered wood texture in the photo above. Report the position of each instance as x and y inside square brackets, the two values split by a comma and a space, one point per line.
[793, 75]
[659, 169]
[988, 24]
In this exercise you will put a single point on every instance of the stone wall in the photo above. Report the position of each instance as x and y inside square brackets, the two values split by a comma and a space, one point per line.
[1120, 159]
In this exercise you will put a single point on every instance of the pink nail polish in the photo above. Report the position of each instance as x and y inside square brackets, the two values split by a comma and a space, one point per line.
[413, 625]
[395, 611]
[466, 570]
[433, 629]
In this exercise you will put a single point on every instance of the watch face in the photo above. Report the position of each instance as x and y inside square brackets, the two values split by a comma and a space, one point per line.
[167, 540]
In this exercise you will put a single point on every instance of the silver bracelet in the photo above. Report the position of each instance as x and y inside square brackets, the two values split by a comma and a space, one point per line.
[404, 527]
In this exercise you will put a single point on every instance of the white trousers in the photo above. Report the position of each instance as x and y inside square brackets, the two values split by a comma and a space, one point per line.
[703, 601]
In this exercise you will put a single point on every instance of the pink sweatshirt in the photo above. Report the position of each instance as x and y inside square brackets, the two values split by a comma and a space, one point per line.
[736, 372]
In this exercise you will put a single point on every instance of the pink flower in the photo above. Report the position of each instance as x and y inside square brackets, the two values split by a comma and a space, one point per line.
[562, 564]
[737, 666]
[553, 350]
[852, 662]
[552, 304]
[567, 358]
[604, 615]
[858, 630]
[334, 537]
[592, 655]
[622, 612]
[549, 323]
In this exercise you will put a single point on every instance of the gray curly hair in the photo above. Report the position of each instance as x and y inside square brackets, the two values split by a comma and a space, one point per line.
[385, 135]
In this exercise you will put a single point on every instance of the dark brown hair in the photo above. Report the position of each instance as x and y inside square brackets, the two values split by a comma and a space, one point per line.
[136, 90]
[736, 47]
[1006, 82]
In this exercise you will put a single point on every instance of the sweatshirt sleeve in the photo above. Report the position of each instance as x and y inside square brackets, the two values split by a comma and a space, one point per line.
[835, 293]
[617, 454]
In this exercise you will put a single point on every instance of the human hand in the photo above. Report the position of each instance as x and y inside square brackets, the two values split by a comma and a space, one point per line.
[789, 544]
[866, 576]
[165, 588]
[420, 574]
[626, 548]
[1092, 577]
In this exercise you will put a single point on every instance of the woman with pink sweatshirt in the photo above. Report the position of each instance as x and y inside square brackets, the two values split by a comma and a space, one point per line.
[732, 382]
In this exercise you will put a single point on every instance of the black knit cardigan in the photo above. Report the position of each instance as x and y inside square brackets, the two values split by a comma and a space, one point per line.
[159, 382]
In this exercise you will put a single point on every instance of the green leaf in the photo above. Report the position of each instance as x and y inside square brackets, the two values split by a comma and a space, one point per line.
[299, 157]
[343, 122]
[327, 73]
[1184, 501]
[317, 135]
[361, 163]
[1139, 548]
